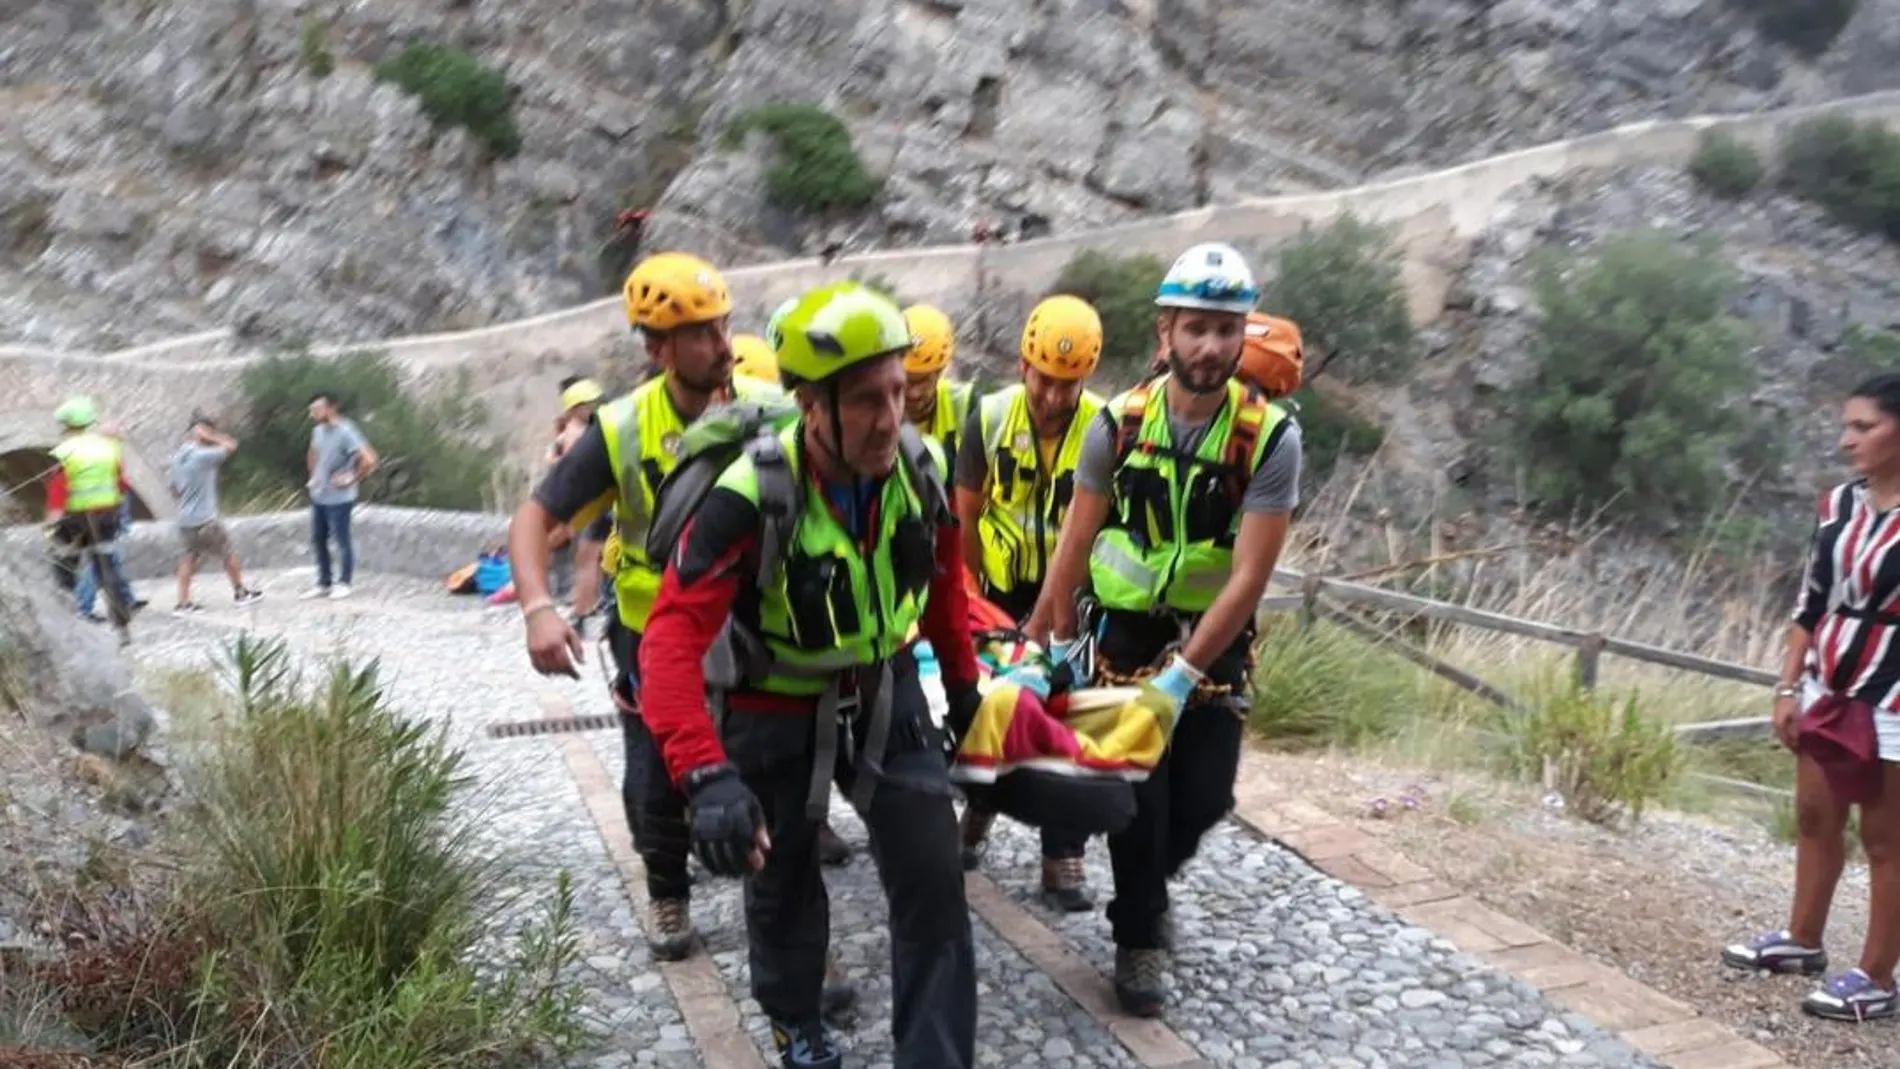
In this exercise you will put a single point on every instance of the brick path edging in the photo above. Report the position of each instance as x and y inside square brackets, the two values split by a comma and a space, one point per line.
[1652, 1022]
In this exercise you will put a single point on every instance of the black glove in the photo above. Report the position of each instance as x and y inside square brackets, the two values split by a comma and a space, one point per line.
[964, 701]
[725, 818]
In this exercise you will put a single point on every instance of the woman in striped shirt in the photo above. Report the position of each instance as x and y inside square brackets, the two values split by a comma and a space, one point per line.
[1844, 639]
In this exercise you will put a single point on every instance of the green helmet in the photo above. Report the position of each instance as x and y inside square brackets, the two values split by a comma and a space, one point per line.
[778, 315]
[77, 413]
[835, 327]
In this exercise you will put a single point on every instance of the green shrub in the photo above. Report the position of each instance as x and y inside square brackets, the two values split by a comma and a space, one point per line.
[1321, 685]
[1328, 431]
[1849, 168]
[1726, 166]
[1603, 756]
[1807, 26]
[435, 449]
[316, 49]
[816, 167]
[456, 89]
[1637, 395]
[333, 899]
[1122, 289]
[1342, 285]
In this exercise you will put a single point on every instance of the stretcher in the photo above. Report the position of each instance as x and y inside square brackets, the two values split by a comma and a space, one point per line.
[1044, 751]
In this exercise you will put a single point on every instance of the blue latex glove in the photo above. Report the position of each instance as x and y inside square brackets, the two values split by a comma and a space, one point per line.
[1177, 681]
[1061, 649]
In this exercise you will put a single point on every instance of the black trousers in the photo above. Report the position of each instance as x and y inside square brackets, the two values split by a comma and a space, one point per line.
[1190, 790]
[656, 810]
[1019, 601]
[913, 833]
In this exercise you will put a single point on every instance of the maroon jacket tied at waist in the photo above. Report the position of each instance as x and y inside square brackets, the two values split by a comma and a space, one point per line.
[1839, 734]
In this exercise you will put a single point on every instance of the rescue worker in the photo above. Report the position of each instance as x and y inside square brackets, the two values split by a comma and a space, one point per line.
[752, 357]
[1015, 479]
[576, 553]
[1184, 492]
[85, 493]
[680, 305]
[933, 403]
[872, 560]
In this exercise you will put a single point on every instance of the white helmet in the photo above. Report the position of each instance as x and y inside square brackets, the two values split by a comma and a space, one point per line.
[1211, 276]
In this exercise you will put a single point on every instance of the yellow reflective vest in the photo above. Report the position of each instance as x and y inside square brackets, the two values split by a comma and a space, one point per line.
[1024, 505]
[90, 461]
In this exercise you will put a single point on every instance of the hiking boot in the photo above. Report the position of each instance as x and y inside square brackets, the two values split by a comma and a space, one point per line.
[1850, 996]
[1064, 884]
[670, 932]
[1775, 952]
[832, 850]
[247, 596]
[972, 830]
[806, 1046]
[1141, 984]
[841, 995]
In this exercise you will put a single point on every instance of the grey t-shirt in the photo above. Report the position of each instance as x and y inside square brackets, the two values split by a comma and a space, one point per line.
[336, 445]
[195, 483]
[1275, 486]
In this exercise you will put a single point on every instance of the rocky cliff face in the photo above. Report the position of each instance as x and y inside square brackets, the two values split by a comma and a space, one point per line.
[172, 167]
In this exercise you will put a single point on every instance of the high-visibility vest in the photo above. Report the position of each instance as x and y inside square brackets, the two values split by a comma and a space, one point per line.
[91, 463]
[1168, 543]
[832, 605]
[642, 430]
[1024, 505]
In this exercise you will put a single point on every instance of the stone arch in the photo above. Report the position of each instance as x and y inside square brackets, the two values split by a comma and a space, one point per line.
[25, 460]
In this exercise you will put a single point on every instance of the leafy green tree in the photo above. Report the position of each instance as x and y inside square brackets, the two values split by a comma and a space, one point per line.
[1637, 398]
[1851, 169]
[1342, 285]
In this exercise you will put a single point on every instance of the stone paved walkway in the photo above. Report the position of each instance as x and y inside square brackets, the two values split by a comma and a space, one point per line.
[1282, 965]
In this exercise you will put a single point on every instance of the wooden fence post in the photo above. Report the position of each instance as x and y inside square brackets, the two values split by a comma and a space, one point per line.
[1588, 653]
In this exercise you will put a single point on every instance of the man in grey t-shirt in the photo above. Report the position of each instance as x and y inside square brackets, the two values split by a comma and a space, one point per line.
[1184, 492]
[338, 460]
[194, 479]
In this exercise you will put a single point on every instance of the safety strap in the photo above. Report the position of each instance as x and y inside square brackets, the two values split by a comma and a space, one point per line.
[778, 502]
[930, 481]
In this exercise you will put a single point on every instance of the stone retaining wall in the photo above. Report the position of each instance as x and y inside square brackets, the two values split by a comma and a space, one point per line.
[425, 543]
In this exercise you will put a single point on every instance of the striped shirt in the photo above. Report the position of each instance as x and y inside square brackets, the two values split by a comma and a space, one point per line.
[1850, 600]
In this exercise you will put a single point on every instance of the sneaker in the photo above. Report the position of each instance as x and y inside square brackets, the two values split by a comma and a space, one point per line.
[806, 1046]
[1775, 952]
[247, 596]
[1141, 982]
[313, 593]
[841, 995]
[972, 830]
[340, 591]
[670, 933]
[1064, 885]
[187, 608]
[1850, 996]
[832, 850]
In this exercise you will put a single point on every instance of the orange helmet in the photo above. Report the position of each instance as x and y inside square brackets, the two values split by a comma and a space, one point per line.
[1271, 357]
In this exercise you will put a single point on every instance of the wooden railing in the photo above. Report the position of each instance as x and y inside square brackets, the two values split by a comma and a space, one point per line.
[1316, 591]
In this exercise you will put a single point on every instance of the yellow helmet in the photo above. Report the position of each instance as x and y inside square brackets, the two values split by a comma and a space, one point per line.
[1063, 338]
[752, 356]
[583, 392]
[935, 340]
[675, 289]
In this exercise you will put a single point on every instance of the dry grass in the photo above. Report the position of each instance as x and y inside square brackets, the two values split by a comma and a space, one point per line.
[1586, 579]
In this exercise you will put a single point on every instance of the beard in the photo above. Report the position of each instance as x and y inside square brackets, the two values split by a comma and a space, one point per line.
[1197, 379]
